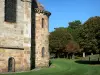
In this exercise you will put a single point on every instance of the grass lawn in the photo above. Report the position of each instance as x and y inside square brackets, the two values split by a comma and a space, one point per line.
[64, 67]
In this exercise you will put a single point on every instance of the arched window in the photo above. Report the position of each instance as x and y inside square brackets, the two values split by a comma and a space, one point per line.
[11, 64]
[42, 22]
[10, 10]
[43, 51]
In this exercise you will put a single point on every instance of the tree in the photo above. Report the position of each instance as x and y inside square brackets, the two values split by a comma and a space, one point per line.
[58, 39]
[74, 24]
[73, 29]
[72, 47]
[89, 35]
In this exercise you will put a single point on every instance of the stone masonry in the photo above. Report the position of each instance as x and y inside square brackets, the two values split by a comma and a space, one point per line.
[26, 40]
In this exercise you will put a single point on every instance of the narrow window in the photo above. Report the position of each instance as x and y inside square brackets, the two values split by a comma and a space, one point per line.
[42, 22]
[11, 64]
[10, 10]
[42, 51]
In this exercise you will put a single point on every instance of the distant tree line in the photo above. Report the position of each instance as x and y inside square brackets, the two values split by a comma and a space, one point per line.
[76, 39]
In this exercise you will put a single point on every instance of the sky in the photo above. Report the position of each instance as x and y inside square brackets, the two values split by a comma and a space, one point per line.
[65, 11]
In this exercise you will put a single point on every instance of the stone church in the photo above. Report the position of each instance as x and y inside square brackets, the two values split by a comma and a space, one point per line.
[23, 35]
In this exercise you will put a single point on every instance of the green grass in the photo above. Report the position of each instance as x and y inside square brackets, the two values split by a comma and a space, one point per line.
[64, 67]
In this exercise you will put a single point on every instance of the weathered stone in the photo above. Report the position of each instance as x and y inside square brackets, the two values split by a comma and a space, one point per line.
[4, 70]
[26, 52]
[21, 42]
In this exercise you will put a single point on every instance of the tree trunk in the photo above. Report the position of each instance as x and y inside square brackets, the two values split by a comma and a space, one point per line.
[56, 54]
[91, 53]
[83, 54]
[73, 56]
[64, 54]
[67, 55]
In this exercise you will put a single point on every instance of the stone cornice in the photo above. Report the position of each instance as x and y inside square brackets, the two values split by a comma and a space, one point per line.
[37, 10]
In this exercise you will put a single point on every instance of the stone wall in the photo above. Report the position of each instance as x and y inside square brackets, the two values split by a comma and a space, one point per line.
[21, 61]
[24, 39]
[11, 32]
[41, 36]
[15, 38]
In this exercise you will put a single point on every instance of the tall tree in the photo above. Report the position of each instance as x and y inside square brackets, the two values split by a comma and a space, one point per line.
[89, 35]
[73, 29]
[58, 39]
[72, 47]
[74, 24]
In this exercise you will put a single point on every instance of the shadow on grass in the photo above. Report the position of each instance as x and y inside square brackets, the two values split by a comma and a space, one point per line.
[88, 62]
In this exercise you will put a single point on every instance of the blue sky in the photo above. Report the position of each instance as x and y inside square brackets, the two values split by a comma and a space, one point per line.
[64, 11]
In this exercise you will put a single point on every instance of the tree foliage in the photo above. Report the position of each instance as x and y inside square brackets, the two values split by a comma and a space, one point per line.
[74, 24]
[72, 47]
[76, 37]
[89, 35]
[58, 39]
[73, 29]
